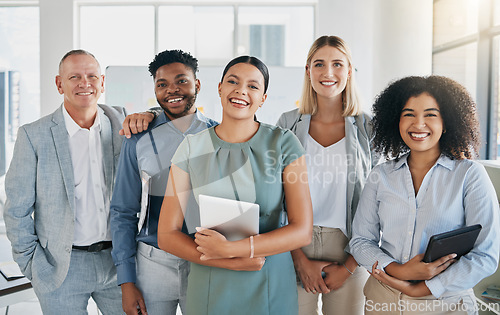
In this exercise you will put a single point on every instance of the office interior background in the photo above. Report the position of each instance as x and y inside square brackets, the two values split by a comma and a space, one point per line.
[389, 39]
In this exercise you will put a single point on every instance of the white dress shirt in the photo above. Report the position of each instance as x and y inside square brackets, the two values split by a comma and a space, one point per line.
[91, 208]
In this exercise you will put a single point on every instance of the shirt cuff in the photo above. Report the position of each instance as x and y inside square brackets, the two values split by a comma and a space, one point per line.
[435, 286]
[382, 263]
[126, 273]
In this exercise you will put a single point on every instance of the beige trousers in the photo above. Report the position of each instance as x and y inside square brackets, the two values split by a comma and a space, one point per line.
[329, 244]
[382, 299]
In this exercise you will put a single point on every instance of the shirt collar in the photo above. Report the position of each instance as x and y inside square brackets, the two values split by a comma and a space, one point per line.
[163, 118]
[443, 160]
[402, 161]
[72, 127]
[446, 162]
[199, 116]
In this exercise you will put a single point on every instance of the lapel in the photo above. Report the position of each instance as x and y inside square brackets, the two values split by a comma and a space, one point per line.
[107, 147]
[302, 127]
[351, 136]
[61, 141]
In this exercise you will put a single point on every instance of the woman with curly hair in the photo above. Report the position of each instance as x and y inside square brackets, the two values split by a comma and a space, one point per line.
[428, 129]
[336, 135]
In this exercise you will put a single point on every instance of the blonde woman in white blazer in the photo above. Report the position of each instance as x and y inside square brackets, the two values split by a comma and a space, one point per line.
[336, 135]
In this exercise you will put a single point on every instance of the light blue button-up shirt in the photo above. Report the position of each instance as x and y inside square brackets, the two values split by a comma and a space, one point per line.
[453, 194]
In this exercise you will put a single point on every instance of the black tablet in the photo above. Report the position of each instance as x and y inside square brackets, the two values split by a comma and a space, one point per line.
[459, 241]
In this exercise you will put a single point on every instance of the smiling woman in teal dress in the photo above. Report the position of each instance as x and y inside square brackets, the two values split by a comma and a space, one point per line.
[240, 159]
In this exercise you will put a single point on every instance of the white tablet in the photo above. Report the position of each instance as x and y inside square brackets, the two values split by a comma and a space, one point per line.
[234, 219]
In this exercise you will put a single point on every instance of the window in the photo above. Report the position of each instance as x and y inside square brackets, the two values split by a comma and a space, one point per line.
[496, 91]
[454, 19]
[206, 32]
[466, 49]
[214, 34]
[496, 13]
[19, 74]
[280, 36]
[130, 35]
[118, 35]
[458, 63]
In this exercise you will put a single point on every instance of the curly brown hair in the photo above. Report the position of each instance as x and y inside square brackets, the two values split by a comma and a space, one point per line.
[458, 110]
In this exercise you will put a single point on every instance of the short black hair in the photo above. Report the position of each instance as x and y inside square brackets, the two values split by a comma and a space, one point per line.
[461, 138]
[171, 56]
[254, 61]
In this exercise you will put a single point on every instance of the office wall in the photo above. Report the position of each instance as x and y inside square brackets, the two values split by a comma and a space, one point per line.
[56, 38]
[493, 169]
[353, 21]
[388, 39]
[402, 40]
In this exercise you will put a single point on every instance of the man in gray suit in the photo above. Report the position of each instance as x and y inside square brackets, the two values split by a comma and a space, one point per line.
[59, 186]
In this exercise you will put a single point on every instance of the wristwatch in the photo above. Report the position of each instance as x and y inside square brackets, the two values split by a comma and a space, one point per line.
[155, 111]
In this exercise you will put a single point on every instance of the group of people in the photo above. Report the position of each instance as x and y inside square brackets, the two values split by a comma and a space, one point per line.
[90, 214]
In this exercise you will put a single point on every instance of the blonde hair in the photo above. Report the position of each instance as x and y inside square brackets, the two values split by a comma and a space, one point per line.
[350, 98]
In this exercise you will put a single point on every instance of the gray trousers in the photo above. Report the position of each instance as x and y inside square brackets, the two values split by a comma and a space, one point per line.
[162, 280]
[89, 275]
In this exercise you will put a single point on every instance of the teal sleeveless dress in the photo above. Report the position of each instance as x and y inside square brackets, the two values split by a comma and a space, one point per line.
[252, 172]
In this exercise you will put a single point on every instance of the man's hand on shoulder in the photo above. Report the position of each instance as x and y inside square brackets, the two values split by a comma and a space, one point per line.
[136, 123]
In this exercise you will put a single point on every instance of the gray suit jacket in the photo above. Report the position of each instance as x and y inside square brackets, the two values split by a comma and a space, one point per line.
[360, 156]
[39, 212]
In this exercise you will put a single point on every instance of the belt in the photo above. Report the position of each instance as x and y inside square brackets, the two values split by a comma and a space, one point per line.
[96, 247]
